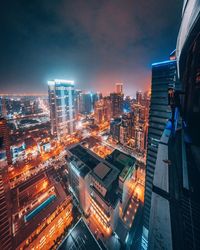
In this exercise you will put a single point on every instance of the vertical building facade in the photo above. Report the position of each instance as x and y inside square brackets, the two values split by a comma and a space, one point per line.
[175, 203]
[163, 74]
[139, 97]
[126, 127]
[62, 107]
[5, 218]
[3, 109]
[119, 88]
[115, 128]
[86, 103]
[116, 104]
[5, 140]
[77, 94]
[102, 110]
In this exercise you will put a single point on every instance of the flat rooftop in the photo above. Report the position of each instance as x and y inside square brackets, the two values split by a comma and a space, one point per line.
[85, 156]
[80, 238]
[105, 173]
[32, 181]
[120, 160]
[30, 226]
[102, 170]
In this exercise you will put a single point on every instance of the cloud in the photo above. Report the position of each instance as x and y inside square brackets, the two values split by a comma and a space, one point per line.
[109, 24]
[97, 41]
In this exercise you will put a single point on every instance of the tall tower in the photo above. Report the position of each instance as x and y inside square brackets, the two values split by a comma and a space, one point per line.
[86, 106]
[3, 109]
[119, 88]
[5, 221]
[5, 140]
[102, 110]
[116, 104]
[162, 78]
[139, 97]
[175, 204]
[62, 107]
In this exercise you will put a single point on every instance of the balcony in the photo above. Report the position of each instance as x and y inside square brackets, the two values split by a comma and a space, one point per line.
[175, 203]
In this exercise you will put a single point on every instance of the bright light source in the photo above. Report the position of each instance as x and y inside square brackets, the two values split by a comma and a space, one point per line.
[58, 81]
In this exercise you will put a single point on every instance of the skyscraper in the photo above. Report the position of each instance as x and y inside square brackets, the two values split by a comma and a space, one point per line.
[126, 127]
[5, 221]
[62, 107]
[3, 110]
[102, 110]
[5, 216]
[119, 88]
[175, 203]
[95, 97]
[163, 74]
[4, 140]
[116, 104]
[86, 103]
[77, 102]
[139, 97]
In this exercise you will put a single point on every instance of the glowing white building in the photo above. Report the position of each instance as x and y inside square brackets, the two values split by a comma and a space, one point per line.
[62, 108]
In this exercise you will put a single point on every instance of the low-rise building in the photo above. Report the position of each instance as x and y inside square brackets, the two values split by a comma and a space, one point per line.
[80, 237]
[41, 213]
[103, 195]
[98, 184]
[127, 170]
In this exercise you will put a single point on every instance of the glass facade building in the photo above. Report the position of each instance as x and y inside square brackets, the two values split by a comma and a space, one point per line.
[174, 221]
[116, 104]
[86, 103]
[62, 107]
[163, 75]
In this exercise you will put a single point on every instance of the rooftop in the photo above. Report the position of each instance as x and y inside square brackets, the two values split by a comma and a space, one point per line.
[85, 156]
[30, 226]
[79, 238]
[120, 160]
[105, 173]
[102, 170]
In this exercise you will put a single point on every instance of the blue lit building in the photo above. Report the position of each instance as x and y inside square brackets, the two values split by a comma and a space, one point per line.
[86, 103]
[174, 216]
[163, 77]
[62, 107]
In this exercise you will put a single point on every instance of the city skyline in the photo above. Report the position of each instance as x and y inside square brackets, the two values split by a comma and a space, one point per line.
[83, 44]
[99, 125]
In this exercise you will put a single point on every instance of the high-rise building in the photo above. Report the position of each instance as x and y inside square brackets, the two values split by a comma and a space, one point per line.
[95, 97]
[77, 102]
[115, 128]
[3, 109]
[102, 111]
[127, 104]
[5, 140]
[100, 185]
[116, 104]
[139, 97]
[92, 181]
[163, 74]
[119, 88]
[62, 107]
[5, 217]
[126, 127]
[86, 106]
[175, 204]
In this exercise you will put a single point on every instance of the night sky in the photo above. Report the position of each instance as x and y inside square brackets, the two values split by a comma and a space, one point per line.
[94, 42]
